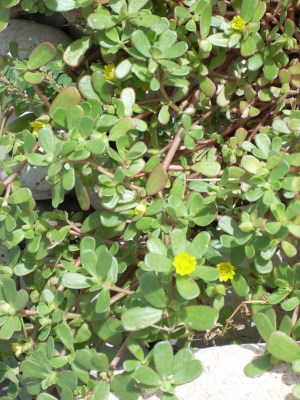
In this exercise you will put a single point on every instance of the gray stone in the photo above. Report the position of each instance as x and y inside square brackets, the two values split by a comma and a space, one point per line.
[33, 177]
[223, 377]
[28, 35]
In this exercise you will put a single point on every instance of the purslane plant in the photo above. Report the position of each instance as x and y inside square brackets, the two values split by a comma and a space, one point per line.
[175, 125]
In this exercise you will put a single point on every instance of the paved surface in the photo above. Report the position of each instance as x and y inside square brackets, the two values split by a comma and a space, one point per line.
[223, 377]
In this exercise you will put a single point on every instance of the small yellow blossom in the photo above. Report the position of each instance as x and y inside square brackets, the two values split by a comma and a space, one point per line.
[109, 72]
[37, 125]
[237, 23]
[184, 263]
[140, 208]
[17, 348]
[226, 271]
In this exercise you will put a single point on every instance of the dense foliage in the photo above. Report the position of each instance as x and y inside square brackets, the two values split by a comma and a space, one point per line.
[179, 122]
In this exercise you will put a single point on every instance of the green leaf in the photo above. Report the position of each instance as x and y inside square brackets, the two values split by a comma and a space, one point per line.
[228, 225]
[175, 51]
[251, 164]
[82, 194]
[64, 334]
[100, 362]
[146, 20]
[32, 369]
[167, 39]
[20, 196]
[61, 5]
[181, 12]
[278, 296]
[141, 42]
[218, 39]
[20, 300]
[83, 334]
[124, 386]
[178, 241]
[270, 69]
[136, 5]
[86, 89]
[296, 390]
[103, 301]
[182, 357]
[207, 168]
[156, 245]
[47, 140]
[206, 273]
[102, 87]
[205, 21]
[263, 325]
[111, 331]
[286, 325]
[164, 115]
[89, 261]
[258, 366]
[65, 99]
[248, 9]
[73, 280]
[45, 396]
[260, 11]
[255, 62]
[240, 285]
[208, 88]
[34, 77]
[4, 17]
[263, 142]
[198, 317]
[8, 328]
[289, 249]
[75, 52]
[152, 290]
[283, 347]
[121, 128]
[137, 318]
[101, 21]
[158, 263]
[41, 55]
[66, 379]
[163, 365]
[199, 245]
[123, 69]
[296, 366]
[206, 215]
[294, 124]
[290, 304]
[146, 376]
[83, 358]
[68, 181]
[157, 180]
[187, 287]
[101, 391]
[248, 46]
[189, 372]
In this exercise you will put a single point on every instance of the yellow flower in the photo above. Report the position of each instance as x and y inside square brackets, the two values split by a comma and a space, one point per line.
[37, 125]
[184, 263]
[17, 348]
[140, 208]
[109, 72]
[237, 23]
[226, 271]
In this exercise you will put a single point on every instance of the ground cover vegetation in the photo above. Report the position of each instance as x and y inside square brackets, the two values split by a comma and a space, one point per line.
[181, 119]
